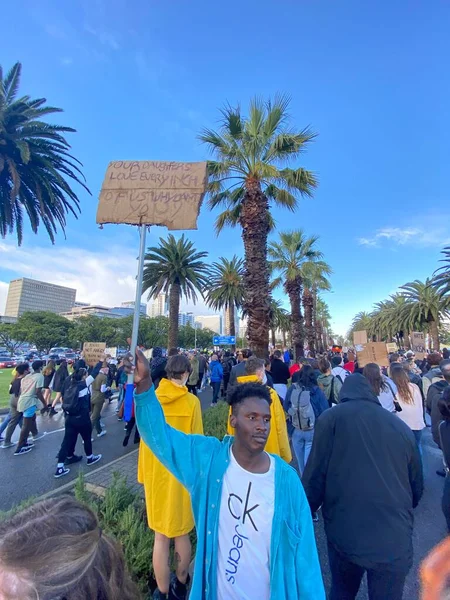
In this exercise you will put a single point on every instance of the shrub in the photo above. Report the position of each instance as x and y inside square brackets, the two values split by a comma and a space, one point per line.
[215, 420]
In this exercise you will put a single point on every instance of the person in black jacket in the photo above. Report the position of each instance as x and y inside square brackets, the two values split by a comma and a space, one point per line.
[280, 374]
[434, 395]
[365, 471]
[444, 432]
[158, 366]
[239, 369]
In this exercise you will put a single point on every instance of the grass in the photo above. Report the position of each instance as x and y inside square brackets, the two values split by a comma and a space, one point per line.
[5, 381]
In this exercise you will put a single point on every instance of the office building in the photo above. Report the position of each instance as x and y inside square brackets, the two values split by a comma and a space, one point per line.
[31, 295]
[95, 310]
[131, 303]
[226, 322]
[212, 322]
[186, 319]
[159, 306]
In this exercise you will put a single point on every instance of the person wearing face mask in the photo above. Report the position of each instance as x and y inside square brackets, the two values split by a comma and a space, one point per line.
[277, 441]
[168, 504]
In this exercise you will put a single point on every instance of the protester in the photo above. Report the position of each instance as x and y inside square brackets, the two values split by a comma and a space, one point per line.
[99, 387]
[248, 545]
[30, 395]
[277, 440]
[48, 372]
[328, 383]
[445, 353]
[349, 365]
[383, 387]
[169, 511]
[121, 382]
[15, 417]
[216, 371]
[62, 373]
[412, 371]
[444, 439]
[228, 363]
[239, 369]
[76, 407]
[365, 471]
[433, 374]
[338, 368]
[434, 395]
[304, 402]
[296, 366]
[55, 549]
[202, 368]
[280, 374]
[194, 373]
[267, 367]
[158, 366]
[410, 400]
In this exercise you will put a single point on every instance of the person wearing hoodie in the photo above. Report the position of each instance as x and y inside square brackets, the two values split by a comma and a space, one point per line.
[433, 374]
[434, 395]
[158, 366]
[216, 375]
[255, 537]
[365, 471]
[169, 511]
[444, 434]
[194, 376]
[277, 441]
[338, 368]
[328, 383]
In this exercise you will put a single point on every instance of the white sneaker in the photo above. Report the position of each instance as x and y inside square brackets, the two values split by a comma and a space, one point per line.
[38, 436]
[102, 433]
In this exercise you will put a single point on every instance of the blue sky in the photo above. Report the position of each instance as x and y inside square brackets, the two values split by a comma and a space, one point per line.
[138, 80]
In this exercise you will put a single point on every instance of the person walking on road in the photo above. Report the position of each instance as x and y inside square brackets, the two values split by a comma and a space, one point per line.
[305, 402]
[277, 440]
[338, 368]
[383, 387]
[216, 374]
[31, 394]
[195, 373]
[434, 395]
[444, 434]
[239, 369]
[48, 372]
[328, 383]
[158, 364]
[169, 511]
[15, 417]
[202, 368]
[228, 363]
[410, 401]
[280, 374]
[76, 407]
[365, 471]
[99, 387]
[62, 373]
[255, 536]
[433, 374]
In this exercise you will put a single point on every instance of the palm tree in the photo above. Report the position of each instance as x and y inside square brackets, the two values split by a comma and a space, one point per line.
[363, 321]
[441, 280]
[314, 274]
[278, 320]
[245, 178]
[225, 289]
[287, 257]
[34, 163]
[425, 307]
[177, 269]
[323, 319]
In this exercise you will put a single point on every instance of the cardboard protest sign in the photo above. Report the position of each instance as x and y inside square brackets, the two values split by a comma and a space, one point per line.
[373, 352]
[93, 352]
[111, 351]
[391, 347]
[359, 337]
[153, 193]
[418, 344]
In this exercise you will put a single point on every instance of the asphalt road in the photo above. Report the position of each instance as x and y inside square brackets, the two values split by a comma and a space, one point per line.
[32, 475]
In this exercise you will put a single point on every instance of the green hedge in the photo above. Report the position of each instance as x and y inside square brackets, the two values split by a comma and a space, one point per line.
[215, 420]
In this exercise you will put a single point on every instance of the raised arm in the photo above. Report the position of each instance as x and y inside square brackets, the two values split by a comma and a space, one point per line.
[185, 456]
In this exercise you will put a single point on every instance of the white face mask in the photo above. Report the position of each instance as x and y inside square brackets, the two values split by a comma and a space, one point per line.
[264, 379]
[180, 382]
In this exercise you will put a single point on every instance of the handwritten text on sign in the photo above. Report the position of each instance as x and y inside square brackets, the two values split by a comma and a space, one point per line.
[153, 193]
[93, 352]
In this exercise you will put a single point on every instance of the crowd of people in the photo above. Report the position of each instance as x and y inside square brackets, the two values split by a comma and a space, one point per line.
[354, 431]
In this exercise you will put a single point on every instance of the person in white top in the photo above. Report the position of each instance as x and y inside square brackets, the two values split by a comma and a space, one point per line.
[410, 400]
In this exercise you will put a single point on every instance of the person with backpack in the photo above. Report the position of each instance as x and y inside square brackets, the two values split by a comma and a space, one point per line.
[328, 383]
[76, 408]
[61, 375]
[304, 403]
[434, 395]
[227, 364]
[338, 368]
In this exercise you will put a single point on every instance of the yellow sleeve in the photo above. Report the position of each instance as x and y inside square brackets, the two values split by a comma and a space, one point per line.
[197, 421]
[230, 430]
[281, 428]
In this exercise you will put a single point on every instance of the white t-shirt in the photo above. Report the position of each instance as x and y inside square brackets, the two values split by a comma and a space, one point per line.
[245, 532]
[412, 414]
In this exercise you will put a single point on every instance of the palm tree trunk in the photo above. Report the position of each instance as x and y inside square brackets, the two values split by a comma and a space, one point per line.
[283, 335]
[293, 289]
[174, 310]
[255, 227]
[434, 335]
[274, 341]
[231, 323]
[308, 305]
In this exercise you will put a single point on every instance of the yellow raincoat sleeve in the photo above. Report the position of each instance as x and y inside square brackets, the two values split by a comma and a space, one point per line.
[281, 427]
[184, 455]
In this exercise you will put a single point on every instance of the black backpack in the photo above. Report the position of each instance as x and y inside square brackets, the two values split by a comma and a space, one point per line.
[72, 403]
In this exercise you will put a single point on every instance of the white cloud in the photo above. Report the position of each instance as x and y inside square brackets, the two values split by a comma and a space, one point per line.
[106, 38]
[438, 236]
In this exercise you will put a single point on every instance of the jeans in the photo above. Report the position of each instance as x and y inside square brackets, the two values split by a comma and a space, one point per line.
[302, 442]
[96, 414]
[346, 578]
[13, 419]
[200, 379]
[4, 425]
[28, 426]
[216, 390]
[418, 435]
[192, 389]
[76, 425]
[121, 396]
[446, 500]
[226, 381]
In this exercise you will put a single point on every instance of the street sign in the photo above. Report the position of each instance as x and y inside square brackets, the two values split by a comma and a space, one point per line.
[224, 340]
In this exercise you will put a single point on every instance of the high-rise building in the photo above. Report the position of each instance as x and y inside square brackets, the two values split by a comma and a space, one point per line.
[186, 319]
[159, 306]
[131, 304]
[213, 322]
[226, 322]
[31, 295]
